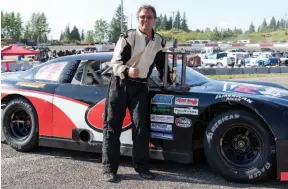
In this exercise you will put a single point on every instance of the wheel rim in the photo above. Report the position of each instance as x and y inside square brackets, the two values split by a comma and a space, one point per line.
[241, 146]
[19, 124]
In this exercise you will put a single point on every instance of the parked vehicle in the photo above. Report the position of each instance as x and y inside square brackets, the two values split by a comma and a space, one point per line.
[217, 59]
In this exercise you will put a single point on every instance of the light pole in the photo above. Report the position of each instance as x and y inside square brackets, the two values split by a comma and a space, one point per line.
[121, 16]
[173, 20]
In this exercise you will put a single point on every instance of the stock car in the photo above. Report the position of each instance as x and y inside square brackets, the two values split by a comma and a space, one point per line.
[242, 127]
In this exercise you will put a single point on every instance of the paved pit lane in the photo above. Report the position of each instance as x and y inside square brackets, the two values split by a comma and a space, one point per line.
[63, 169]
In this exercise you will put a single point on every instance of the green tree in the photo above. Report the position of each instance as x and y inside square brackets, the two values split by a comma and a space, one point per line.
[37, 27]
[82, 35]
[90, 36]
[165, 23]
[101, 28]
[169, 23]
[3, 25]
[177, 21]
[251, 28]
[61, 36]
[66, 34]
[278, 25]
[273, 24]
[75, 35]
[159, 22]
[264, 26]
[184, 25]
[11, 25]
[115, 26]
[282, 24]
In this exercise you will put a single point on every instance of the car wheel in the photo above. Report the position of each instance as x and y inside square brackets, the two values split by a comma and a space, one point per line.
[219, 64]
[20, 125]
[239, 148]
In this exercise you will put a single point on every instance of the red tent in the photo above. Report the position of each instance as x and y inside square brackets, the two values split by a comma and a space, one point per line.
[14, 50]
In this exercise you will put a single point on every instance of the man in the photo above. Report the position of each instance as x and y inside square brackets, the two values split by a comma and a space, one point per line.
[135, 55]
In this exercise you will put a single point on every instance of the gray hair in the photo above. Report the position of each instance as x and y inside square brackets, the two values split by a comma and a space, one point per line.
[147, 7]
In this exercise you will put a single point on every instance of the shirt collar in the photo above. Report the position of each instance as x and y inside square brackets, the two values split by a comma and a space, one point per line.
[144, 35]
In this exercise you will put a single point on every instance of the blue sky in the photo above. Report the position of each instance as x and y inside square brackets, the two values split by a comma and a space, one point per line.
[199, 13]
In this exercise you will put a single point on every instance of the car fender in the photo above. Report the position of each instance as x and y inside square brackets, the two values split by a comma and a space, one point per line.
[274, 120]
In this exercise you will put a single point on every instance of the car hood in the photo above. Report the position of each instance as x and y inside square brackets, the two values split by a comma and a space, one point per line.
[260, 90]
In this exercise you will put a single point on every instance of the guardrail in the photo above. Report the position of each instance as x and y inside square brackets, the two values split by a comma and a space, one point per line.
[204, 70]
[243, 70]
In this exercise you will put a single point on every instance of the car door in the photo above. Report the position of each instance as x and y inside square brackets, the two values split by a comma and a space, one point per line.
[172, 115]
[79, 102]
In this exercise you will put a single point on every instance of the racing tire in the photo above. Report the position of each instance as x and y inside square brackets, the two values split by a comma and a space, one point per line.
[20, 125]
[236, 154]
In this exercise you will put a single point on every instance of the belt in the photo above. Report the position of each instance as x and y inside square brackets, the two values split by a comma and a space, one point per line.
[141, 80]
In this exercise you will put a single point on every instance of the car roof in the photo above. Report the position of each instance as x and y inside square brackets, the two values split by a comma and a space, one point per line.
[100, 56]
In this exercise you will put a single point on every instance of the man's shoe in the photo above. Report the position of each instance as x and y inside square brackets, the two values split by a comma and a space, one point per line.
[109, 177]
[146, 175]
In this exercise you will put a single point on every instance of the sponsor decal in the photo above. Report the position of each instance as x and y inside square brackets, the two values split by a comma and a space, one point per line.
[186, 101]
[162, 118]
[274, 92]
[255, 89]
[190, 111]
[164, 136]
[161, 127]
[157, 109]
[183, 122]
[34, 85]
[94, 117]
[162, 99]
[219, 122]
[233, 98]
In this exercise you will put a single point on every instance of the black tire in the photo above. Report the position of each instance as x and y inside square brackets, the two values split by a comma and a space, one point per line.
[30, 139]
[215, 144]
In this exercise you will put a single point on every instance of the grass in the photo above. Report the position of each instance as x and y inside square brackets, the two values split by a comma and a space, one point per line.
[246, 76]
[267, 37]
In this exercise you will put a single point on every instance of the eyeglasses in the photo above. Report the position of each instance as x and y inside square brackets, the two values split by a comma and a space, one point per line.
[147, 17]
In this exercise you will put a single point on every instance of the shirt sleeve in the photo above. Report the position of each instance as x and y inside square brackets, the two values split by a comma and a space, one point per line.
[117, 60]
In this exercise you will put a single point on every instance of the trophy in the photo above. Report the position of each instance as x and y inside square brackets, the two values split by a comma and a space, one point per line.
[174, 76]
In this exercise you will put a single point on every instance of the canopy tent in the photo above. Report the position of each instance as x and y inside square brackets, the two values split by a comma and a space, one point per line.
[14, 50]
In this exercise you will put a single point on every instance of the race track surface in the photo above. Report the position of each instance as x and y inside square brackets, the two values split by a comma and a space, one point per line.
[56, 168]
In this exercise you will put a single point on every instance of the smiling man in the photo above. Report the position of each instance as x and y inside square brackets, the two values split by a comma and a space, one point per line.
[135, 55]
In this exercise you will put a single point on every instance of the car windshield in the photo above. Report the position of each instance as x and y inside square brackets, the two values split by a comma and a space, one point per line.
[192, 77]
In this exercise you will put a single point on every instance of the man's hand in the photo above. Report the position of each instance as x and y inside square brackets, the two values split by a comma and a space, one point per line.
[133, 71]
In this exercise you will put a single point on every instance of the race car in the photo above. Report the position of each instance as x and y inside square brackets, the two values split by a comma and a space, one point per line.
[242, 127]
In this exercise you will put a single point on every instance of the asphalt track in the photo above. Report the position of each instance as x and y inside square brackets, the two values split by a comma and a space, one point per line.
[56, 168]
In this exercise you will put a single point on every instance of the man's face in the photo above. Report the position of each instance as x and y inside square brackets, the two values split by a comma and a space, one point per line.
[146, 20]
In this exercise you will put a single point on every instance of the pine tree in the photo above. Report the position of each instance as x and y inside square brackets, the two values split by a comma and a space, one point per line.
[115, 26]
[159, 22]
[164, 23]
[272, 24]
[251, 28]
[169, 23]
[264, 26]
[75, 35]
[278, 25]
[82, 35]
[177, 21]
[184, 25]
